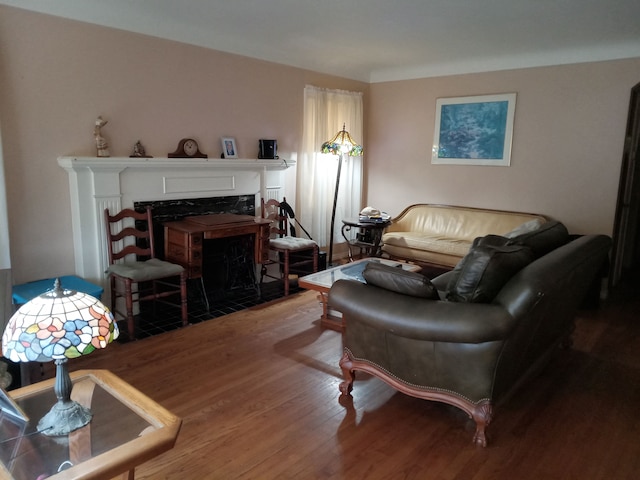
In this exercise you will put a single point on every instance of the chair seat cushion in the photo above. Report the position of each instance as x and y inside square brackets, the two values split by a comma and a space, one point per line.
[291, 243]
[147, 270]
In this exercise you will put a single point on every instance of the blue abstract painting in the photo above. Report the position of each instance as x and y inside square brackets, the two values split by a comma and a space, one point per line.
[474, 130]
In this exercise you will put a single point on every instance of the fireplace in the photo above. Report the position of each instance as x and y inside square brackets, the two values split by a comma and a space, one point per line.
[221, 257]
[121, 182]
[170, 210]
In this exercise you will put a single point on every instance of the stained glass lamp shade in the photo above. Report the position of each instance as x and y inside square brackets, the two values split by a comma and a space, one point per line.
[341, 144]
[58, 325]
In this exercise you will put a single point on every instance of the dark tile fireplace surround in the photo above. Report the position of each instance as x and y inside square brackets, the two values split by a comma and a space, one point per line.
[217, 250]
[226, 290]
[171, 210]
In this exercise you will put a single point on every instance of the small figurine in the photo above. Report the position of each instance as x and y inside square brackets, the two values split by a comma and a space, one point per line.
[138, 151]
[101, 144]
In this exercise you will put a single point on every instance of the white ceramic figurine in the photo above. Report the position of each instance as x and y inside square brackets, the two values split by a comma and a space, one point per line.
[101, 144]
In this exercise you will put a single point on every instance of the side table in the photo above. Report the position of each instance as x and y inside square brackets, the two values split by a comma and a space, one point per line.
[127, 429]
[367, 237]
[26, 291]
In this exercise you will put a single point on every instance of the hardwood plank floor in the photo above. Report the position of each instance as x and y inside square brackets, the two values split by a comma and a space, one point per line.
[258, 394]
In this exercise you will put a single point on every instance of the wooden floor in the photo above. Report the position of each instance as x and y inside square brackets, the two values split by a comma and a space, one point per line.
[258, 394]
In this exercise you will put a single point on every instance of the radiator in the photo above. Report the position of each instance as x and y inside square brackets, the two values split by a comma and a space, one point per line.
[274, 193]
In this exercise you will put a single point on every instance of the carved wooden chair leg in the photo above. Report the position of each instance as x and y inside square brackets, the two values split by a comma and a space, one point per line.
[482, 415]
[285, 273]
[129, 308]
[347, 373]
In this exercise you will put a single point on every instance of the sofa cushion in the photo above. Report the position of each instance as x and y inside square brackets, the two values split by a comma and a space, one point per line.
[423, 241]
[482, 273]
[399, 280]
[457, 222]
[548, 237]
[491, 241]
[530, 226]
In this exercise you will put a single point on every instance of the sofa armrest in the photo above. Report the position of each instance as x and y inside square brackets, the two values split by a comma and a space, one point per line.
[418, 318]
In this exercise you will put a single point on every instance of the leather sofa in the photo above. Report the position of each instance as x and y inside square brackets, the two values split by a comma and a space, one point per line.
[442, 234]
[470, 336]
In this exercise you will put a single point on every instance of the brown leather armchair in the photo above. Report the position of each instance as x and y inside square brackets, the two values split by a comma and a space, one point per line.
[467, 354]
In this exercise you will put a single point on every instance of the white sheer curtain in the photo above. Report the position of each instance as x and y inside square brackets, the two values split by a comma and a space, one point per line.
[325, 112]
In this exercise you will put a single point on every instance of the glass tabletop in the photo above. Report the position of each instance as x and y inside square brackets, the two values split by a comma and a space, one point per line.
[349, 271]
[118, 419]
[28, 454]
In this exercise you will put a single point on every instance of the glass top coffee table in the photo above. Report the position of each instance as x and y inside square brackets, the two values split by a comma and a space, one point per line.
[321, 282]
[127, 429]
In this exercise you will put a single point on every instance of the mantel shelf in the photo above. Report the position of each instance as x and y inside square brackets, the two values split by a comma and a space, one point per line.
[71, 162]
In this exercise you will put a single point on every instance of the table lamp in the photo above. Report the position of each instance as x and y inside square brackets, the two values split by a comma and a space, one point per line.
[341, 144]
[58, 325]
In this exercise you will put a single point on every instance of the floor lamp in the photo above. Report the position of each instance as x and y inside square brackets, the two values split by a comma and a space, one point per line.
[341, 144]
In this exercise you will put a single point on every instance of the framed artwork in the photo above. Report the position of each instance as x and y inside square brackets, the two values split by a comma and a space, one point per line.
[474, 130]
[229, 147]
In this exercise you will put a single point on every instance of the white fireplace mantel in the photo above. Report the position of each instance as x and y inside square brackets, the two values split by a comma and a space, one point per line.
[115, 183]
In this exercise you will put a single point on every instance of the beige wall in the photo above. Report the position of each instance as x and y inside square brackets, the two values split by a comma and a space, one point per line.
[57, 75]
[567, 143]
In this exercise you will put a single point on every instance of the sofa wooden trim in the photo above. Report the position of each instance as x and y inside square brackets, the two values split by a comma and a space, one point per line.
[481, 412]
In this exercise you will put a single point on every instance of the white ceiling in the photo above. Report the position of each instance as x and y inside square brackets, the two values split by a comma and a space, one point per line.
[380, 40]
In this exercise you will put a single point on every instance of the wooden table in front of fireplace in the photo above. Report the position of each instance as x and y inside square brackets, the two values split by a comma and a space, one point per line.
[184, 239]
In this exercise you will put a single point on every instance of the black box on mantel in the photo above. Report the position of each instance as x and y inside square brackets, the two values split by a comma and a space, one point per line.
[267, 149]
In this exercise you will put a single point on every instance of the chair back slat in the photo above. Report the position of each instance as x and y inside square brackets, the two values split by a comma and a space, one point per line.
[129, 213]
[129, 232]
[123, 239]
[131, 250]
[271, 210]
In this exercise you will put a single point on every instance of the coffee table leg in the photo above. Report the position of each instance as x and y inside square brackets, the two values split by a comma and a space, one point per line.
[328, 320]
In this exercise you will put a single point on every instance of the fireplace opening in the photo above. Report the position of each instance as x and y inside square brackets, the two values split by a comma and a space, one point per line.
[220, 270]
[172, 210]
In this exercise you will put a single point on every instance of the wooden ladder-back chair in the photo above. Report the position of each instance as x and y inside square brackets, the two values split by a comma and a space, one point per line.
[135, 274]
[293, 253]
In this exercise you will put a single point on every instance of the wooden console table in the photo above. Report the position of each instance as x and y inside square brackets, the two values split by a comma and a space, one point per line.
[184, 239]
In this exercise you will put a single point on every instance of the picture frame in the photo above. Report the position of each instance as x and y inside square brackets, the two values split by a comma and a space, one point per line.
[229, 148]
[474, 130]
